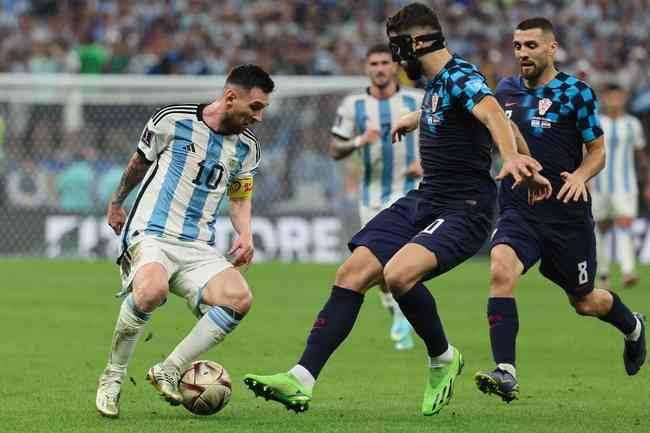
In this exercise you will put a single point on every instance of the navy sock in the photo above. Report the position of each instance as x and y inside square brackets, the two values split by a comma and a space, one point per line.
[332, 326]
[620, 316]
[419, 308]
[504, 325]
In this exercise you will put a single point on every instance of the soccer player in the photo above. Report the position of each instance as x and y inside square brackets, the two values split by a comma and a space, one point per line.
[555, 115]
[614, 190]
[390, 169]
[431, 230]
[189, 156]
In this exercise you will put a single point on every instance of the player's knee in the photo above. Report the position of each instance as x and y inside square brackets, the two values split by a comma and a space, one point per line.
[502, 279]
[150, 293]
[357, 280]
[624, 223]
[244, 302]
[397, 281]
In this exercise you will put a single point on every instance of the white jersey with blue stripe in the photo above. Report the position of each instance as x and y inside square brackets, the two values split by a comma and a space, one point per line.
[623, 135]
[193, 167]
[384, 163]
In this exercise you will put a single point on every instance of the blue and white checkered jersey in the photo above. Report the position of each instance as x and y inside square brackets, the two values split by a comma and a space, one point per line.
[556, 119]
[623, 135]
[193, 167]
[455, 147]
[384, 162]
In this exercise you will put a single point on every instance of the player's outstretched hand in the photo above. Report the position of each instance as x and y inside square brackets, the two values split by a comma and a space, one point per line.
[370, 136]
[574, 188]
[241, 251]
[116, 216]
[404, 125]
[539, 188]
[521, 167]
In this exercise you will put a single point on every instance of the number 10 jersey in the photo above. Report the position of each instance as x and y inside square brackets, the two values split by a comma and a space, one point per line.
[192, 168]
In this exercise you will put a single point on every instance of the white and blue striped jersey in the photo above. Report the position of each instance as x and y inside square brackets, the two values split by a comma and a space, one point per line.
[384, 163]
[623, 135]
[193, 167]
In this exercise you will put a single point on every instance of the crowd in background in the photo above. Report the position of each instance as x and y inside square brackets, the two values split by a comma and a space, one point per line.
[599, 37]
[601, 40]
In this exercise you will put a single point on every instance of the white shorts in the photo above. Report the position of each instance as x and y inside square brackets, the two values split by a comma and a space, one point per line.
[367, 213]
[611, 206]
[190, 265]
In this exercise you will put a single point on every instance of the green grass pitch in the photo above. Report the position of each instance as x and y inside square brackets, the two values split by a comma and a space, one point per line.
[57, 319]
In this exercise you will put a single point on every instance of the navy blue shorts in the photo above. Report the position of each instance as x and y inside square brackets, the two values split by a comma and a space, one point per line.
[567, 251]
[452, 234]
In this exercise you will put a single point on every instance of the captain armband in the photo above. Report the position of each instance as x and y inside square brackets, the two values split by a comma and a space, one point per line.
[241, 188]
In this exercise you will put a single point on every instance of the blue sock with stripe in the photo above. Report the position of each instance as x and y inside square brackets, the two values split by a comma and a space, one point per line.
[209, 331]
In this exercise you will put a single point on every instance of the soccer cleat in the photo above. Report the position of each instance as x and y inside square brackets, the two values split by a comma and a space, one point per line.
[107, 400]
[165, 380]
[440, 385]
[635, 351]
[630, 280]
[283, 388]
[401, 327]
[405, 343]
[498, 382]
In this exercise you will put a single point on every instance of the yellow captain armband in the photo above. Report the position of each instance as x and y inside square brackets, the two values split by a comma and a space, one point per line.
[241, 188]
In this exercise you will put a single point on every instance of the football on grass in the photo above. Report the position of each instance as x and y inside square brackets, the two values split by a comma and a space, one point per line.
[205, 387]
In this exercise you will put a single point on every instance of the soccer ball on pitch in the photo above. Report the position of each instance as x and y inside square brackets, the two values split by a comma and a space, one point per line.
[205, 387]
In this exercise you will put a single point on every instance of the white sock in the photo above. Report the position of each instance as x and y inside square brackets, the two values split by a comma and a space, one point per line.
[625, 250]
[509, 368]
[389, 302]
[209, 331]
[634, 335]
[444, 359]
[604, 251]
[128, 329]
[303, 376]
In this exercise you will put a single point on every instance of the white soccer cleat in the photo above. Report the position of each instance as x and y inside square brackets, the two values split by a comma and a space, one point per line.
[107, 401]
[165, 380]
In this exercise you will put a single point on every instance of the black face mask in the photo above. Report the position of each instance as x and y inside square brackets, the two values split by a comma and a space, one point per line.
[401, 47]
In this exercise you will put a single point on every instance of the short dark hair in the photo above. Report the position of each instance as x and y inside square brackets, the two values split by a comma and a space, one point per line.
[536, 23]
[249, 76]
[413, 15]
[378, 48]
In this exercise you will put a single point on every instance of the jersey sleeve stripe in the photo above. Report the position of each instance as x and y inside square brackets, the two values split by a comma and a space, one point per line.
[155, 122]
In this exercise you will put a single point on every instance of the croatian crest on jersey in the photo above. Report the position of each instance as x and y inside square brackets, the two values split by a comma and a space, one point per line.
[544, 105]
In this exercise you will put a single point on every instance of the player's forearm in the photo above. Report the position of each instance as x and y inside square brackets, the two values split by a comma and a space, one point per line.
[241, 215]
[134, 173]
[594, 160]
[497, 123]
[340, 148]
[520, 141]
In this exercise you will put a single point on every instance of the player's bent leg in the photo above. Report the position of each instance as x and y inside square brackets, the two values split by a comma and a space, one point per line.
[505, 270]
[149, 289]
[608, 307]
[225, 300]
[403, 275]
[293, 389]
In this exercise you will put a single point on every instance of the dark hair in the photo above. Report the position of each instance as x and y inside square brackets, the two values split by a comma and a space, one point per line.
[250, 76]
[536, 23]
[413, 15]
[378, 48]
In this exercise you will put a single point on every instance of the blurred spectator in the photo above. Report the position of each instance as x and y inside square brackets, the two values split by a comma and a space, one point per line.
[28, 185]
[75, 183]
[300, 37]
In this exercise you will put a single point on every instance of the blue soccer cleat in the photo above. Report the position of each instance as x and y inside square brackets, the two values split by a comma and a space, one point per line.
[498, 382]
